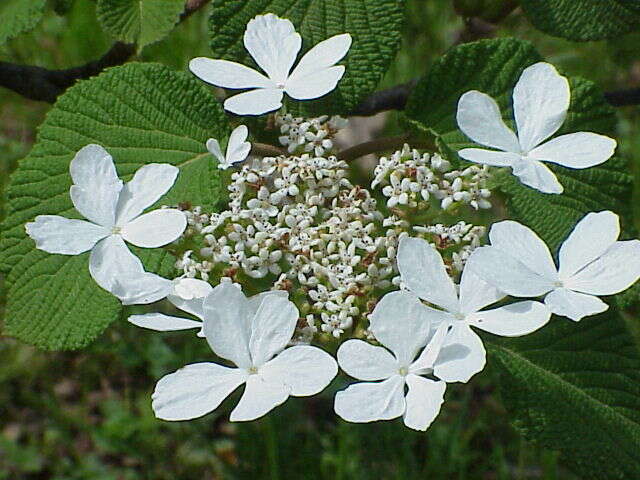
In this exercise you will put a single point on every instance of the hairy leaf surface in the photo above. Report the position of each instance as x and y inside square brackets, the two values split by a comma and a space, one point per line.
[18, 16]
[141, 113]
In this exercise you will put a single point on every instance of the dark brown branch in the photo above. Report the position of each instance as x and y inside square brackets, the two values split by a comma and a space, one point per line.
[266, 150]
[38, 83]
[395, 98]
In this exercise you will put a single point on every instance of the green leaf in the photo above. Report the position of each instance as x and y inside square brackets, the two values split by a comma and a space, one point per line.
[375, 26]
[568, 373]
[18, 16]
[576, 388]
[583, 20]
[141, 113]
[139, 21]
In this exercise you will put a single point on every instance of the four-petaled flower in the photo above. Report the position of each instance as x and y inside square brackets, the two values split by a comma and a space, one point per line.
[237, 148]
[115, 214]
[274, 45]
[423, 272]
[252, 335]
[540, 104]
[400, 323]
[592, 262]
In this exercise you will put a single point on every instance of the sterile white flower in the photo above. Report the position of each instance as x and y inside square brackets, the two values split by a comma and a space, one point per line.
[188, 295]
[540, 104]
[115, 214]
[592, 262]
[423, 272]
[400, 323]
[237, 149]
[253, 336]
[274, 45]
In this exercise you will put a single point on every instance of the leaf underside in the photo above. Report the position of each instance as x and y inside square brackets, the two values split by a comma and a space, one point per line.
[141, 113]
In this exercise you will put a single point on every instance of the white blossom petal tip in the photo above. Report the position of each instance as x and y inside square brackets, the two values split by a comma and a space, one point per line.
[237, 148]
[541, 99]
[114, 214]
[274, 45]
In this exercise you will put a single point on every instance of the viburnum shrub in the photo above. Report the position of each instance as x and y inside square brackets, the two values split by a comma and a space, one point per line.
[502, 212]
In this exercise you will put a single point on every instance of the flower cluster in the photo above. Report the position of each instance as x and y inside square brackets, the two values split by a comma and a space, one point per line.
[325, 261]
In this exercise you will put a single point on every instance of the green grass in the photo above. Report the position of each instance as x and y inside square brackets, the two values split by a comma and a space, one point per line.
[87, 414]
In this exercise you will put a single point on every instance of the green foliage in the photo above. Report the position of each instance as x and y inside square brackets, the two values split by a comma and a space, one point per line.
[17, 16]
[583, 20]
[557, 366]
[577, 390]
[375, 26]
[141, 113]
[139, 21]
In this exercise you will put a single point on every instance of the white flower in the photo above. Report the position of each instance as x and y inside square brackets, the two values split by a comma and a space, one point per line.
[274, 45]
[423, 272]
[115, 214]
[253, 336]
[592, 262]
[400, 323]
[540, 103]
[237, 148]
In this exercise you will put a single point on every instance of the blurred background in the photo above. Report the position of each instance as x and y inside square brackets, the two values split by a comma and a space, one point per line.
[87, 414]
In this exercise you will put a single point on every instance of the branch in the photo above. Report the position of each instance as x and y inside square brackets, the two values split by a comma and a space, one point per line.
[265, 150]
[41, 84]
[395, 98]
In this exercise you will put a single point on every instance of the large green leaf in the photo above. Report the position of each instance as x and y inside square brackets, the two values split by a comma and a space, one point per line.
[375, 26]
[141, 113]
[17, 16]
[568, 372]
[582, 20]
[139, 21]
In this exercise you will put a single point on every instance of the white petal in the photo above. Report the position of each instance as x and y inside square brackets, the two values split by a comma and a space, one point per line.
[537, 175]
[190, 288]
[256, 300]
[522, 243]
[56, 234]
[401, 323]
[576, 150]
[259, 398]
[273, 43]
[423, 272]
[462, 355]
[368, 402]
[141, 288]
[614, 271]
[475, 293]
[479, 119]
[507, 274]
[489, 157]
[238, 148]
[96, 185]
[163, 323]
[214, 148]
[424, 363]
[315, 85]
[590, 238]
[111, 259]
[272, 328]
[364, 361]
[255, 102]
[540, 103]
[194, 390]
[424, 399]
[225, 74]
[156, 228]
[148, 185]
[512, 320]
[306, 370]
[574, 305]
[227, 323]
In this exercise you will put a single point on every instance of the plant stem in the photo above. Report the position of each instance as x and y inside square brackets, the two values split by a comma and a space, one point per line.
[265, 150]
